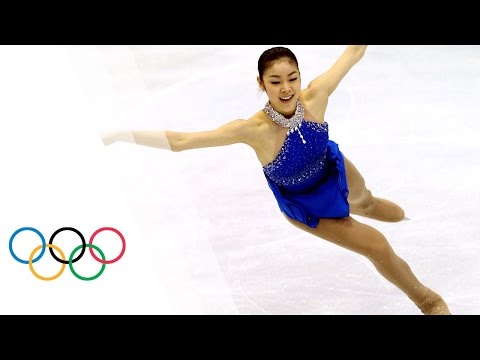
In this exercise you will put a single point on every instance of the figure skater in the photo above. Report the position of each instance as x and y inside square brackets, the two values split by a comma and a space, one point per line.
[316, 187]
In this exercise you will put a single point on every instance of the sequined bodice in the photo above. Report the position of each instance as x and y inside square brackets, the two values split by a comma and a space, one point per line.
[300, 164]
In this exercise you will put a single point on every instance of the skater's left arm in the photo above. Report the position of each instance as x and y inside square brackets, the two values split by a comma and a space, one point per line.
[326, 83]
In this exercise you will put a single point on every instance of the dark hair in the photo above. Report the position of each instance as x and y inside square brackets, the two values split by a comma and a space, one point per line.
[271, 55]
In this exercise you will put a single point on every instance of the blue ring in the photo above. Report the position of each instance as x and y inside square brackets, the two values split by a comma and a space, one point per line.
[44, 244]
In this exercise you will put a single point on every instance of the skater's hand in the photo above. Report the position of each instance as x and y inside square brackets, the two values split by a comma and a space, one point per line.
[108, 137]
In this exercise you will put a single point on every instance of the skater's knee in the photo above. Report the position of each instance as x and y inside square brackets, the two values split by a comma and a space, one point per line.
[363, 201]
[357, 190]
[379, 250]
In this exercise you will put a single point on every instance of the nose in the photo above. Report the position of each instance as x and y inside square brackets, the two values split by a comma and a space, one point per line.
[285, 87]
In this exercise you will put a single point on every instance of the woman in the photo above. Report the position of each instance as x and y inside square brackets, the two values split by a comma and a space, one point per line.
[315, 185]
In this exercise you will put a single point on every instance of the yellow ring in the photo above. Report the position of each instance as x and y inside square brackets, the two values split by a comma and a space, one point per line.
[30, 262]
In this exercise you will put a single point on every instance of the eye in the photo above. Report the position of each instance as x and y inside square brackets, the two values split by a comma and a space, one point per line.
[275, 82]
[294, 79]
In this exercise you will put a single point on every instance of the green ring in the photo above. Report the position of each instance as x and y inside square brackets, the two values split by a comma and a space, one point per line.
[70, 262]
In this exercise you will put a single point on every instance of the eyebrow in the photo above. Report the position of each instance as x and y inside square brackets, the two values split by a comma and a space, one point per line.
[277, 76]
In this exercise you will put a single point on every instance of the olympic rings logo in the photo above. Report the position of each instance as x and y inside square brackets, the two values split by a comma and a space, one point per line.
[71, 260]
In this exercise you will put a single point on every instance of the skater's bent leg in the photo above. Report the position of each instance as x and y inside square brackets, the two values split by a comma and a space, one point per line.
[369, 242]
[363, 203]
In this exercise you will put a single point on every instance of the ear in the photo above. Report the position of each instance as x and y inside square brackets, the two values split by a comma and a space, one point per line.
[260, 83]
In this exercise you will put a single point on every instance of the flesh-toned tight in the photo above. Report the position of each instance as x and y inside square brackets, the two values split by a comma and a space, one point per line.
[371, 243]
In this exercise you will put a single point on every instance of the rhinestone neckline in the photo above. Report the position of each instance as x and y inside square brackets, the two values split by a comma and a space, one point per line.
[292, 124]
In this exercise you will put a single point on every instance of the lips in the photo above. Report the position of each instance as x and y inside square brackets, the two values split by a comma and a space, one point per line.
[288, 98]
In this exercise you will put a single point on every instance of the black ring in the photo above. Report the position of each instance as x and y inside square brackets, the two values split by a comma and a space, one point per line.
[75, 231]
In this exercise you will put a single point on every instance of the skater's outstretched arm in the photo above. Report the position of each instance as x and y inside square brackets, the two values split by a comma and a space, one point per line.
[329, 80]
[233, 132]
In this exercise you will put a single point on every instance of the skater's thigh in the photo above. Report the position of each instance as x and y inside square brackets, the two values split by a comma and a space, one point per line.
[355, 181]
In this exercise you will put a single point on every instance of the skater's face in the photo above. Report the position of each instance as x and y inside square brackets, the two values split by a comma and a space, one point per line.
[282, 83]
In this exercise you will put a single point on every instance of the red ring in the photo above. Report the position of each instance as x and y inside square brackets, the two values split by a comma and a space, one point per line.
[124, 245]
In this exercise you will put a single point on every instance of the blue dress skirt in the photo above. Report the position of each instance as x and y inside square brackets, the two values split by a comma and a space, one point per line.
[308, 176]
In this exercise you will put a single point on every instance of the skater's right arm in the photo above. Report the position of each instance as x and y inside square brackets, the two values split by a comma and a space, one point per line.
[236, 131]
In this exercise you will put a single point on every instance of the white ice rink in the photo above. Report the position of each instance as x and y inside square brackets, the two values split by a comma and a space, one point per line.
[203, 231]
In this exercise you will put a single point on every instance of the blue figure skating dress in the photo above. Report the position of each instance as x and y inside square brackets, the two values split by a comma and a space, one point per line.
[308, 176]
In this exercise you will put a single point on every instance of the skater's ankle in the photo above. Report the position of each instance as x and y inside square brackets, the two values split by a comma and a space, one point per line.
[433, 304]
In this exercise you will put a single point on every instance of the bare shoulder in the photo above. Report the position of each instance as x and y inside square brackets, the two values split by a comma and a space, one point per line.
[318, 88]
[256, 127]
[315, 103]
[259, 120]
